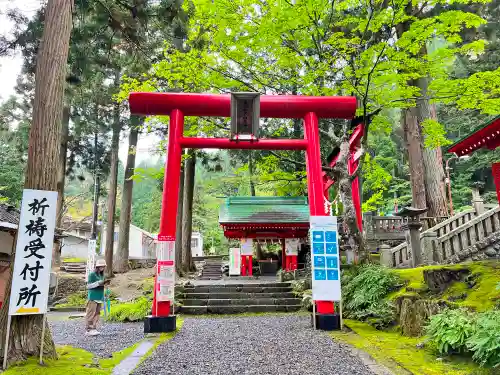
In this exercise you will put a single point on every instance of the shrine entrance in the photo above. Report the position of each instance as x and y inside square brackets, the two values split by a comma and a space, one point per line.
[245, 110]
[268, 220]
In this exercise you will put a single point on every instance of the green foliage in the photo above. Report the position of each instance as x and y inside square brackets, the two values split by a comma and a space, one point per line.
[485, 340]
[130, 311]
[450, 330]
[78, 299]
[459, 331]
[434, 134]
[364, 290]
[402, 354]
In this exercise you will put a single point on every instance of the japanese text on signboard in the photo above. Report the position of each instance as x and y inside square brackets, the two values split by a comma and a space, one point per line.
[30, 283]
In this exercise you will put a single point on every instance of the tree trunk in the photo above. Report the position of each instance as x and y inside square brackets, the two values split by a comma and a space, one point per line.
[97, 186]
[122, 252]
[113, 177]
[61, 180]
[42, 171]
[413, 140]
[354, 237]
[178, 227]
[187, 215]
[251, 172]
[433, 165]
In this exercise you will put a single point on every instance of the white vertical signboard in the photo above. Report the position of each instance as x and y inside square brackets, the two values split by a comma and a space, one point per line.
[90, 258]
[234, 261]
[165, 276]
[32, 264]
[292, 246]
[246, 246]
[325, 259]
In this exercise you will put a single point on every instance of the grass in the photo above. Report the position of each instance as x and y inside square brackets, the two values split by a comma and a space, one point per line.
[400, 353]
[72, 361]
[78, 299]
[74, 260]
[130, 311]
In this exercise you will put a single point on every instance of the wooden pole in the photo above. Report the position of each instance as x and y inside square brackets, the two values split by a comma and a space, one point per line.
[43, 339]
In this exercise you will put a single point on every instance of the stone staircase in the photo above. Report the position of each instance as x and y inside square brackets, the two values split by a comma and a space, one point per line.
[238, 298]
[211, 270]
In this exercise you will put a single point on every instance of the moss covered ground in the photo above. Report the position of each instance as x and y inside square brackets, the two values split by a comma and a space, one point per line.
[78, 299]
[481, 297]
[75, 361]
[400, 354]
[74, 260]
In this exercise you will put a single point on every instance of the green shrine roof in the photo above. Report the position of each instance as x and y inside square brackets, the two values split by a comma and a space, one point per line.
[269, 210]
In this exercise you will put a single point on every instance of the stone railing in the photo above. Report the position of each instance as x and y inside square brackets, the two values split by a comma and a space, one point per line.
[389, 228]
[468, 234]
[446, 239]
[397, 257]
[453, 222]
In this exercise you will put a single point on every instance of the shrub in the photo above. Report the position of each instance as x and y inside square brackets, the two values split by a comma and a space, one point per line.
[485, 341]
[363, 291]
[78, 299]
[450, 330]
[130, 311]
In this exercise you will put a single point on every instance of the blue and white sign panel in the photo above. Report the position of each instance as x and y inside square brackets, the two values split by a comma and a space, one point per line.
[325, 258]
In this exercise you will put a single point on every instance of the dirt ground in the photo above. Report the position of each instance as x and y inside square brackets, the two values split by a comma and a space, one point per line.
[126, 286]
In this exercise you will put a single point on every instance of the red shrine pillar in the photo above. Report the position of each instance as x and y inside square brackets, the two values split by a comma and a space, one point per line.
[284, 264]
[495, 169]
[315, 185]
[166, 236]
[356, 199]
[246, 259]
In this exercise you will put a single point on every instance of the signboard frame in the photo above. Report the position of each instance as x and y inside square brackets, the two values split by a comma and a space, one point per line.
[325, 258]
[245, 115]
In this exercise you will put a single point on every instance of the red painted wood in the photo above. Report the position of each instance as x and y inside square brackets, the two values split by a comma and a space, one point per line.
[495, 169]
[485, 137]
[277, 106]
[261, 144]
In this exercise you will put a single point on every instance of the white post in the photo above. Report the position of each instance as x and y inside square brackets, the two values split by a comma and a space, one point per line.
[42, 340]
[314, 313]
[6, 346]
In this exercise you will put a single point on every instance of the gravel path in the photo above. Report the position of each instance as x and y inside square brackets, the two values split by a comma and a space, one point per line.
[113, 338]
[277, 345]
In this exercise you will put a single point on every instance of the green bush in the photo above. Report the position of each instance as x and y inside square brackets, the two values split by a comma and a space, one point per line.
[78, 299]
[130, 311]
[485, 341]
[363, 291]
[450, 330]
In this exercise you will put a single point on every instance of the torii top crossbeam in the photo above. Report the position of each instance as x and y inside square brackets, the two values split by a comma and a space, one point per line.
[277, 106]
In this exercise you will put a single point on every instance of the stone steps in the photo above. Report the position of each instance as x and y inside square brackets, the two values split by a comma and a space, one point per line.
[211, 271]
[238, 309]
[241, 301]
[236, 289]
[237, 295]
[238, 298]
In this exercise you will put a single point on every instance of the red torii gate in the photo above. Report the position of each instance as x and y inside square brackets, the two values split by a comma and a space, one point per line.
[178, 105]
[352, 165]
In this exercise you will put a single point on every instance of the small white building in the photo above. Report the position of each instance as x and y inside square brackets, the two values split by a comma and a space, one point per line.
[76, 241]
[196, 244]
